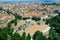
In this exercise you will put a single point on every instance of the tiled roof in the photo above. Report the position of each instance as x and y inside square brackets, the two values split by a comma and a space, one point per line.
[6, 17]
[32, 29]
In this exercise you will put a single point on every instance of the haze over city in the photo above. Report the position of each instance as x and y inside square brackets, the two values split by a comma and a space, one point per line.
[29, 20]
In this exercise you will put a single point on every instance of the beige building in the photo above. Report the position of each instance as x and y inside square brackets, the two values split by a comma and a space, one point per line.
[35, 27]
[5, 18]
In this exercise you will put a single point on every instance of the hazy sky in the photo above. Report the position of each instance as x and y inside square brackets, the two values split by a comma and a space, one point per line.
[34, 0]
[25, 0]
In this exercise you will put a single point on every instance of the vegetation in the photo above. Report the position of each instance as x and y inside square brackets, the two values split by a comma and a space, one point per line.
[8, 11]
[1, 8]
[24, 36]
[28, 37]
[55, 27]
[16, 36]
[53, 35]
[54, 22]
[7, 34]
[39, 36]
[26, 18]
[17, 16]
[9, 24]
[12, 21]
[36, 18]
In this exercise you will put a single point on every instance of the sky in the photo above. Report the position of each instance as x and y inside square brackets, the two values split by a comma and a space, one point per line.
[25, 0]
[33, 0]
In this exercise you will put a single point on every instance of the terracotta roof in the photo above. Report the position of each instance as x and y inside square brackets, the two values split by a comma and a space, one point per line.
[20, 23]
[2, 15]
[34, 28]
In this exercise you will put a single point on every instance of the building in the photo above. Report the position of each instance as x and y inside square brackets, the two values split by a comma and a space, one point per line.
[5, 18]
[35, 27]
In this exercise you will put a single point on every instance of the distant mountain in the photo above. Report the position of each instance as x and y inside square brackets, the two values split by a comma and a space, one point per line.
[30, 1]
[57, 1]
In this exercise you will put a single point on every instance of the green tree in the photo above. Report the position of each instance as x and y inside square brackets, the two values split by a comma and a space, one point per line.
[28, 37]
[17, 16]
[26, 18]
[39, 36]
[15, 22]
[8, 37]
[7, 34]
[59, 13]
[4, 32]
[53, 35]
[9, 24]
[1, 8]
[16, 36]
[36, 18]
[8, 11]
[54, 22]
[24, 36]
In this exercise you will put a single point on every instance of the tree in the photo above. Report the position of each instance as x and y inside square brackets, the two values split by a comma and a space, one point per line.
[39, 36]
[8, 11]
[26, 18]
[12, 21]
[17, 16]
[4, 32]
[15, 22]
[55, 27]
[36, 18]
[59, 13]
[28, 37]
[53, 35]
[24, 36]
[55, 11]
[9, 24]
[1, 8]
[8, 37]
[54, 22]
[7, 34]
[16, 36]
